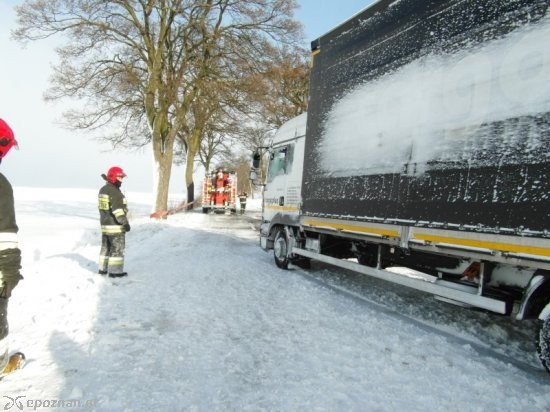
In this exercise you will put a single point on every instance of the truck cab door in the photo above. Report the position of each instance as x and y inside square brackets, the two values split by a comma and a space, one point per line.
[279, 167]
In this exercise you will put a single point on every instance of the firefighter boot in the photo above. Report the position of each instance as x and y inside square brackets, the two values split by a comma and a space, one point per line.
[118, 275]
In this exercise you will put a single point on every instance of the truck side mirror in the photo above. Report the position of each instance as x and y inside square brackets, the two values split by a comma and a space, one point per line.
[253, 176]
[256, 159]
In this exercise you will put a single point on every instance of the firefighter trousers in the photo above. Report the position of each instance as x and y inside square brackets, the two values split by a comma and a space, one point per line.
[4, 329]
[111, 255]
[8, 280]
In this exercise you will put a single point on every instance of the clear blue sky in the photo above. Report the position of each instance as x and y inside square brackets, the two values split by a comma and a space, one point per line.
[320, 16]
[50, 156]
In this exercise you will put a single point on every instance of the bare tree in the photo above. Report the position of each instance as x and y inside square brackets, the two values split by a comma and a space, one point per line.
[242, 168]
[274, 93]
[208, 128]
[280, 89]
[210, 145]
[139, 65]
[251, 107]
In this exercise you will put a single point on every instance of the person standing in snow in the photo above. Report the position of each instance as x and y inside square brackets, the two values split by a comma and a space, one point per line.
[242, 199]
[10, 255]
[113, 218]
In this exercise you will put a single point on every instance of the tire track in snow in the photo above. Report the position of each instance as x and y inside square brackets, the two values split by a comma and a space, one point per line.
[538, 374]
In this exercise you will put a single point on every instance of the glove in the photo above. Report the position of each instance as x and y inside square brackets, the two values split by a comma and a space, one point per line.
[126, 227]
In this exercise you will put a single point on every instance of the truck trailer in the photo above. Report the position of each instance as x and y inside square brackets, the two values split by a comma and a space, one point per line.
[423, 158]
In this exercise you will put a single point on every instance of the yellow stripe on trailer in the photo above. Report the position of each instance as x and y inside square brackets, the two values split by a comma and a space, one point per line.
[354, 228]
[503, 247]
[285, 208]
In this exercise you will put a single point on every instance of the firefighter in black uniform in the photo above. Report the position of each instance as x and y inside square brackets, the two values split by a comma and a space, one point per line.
[242, 200]
[113, 212]
[10, 255]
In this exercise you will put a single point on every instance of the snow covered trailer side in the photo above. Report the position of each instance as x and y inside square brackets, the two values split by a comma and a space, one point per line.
[426, 147]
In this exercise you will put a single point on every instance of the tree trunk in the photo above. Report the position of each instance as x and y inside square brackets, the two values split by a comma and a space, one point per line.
[193, 146]
[190, 189]
[189, 168]
[163, 169]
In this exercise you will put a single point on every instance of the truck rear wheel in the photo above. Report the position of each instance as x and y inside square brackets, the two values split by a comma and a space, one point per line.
[280, 249]
[543, 344]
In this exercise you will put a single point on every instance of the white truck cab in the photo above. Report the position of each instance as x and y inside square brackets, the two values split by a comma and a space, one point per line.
[282, 191]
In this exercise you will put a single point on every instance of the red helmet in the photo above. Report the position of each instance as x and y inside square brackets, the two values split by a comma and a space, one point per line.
[7, 139]
[114, 173]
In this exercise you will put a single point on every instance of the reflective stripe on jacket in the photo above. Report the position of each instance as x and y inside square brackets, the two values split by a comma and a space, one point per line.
[8, 240]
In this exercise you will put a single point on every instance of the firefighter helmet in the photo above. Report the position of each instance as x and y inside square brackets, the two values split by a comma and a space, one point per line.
[7, 138]
[114, 173]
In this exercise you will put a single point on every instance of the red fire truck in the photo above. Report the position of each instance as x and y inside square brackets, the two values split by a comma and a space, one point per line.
[219, 192]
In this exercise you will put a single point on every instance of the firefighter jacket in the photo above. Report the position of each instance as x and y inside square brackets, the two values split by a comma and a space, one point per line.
[10, 255]
[112, 210]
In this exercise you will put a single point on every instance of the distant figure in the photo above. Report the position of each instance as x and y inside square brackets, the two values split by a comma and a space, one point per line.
[10, 254]
[113, 212]
[242, 200]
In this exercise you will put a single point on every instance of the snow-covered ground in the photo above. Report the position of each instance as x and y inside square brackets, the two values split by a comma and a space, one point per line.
[205, 321]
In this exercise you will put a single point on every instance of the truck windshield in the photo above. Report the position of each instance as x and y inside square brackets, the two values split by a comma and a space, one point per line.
[280, 162]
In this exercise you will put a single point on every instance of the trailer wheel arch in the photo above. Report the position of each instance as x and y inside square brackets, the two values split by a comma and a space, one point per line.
[536, 296]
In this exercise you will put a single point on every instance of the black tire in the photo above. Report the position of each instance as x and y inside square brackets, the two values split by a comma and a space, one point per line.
[280, 249]
[204, 210]
[543, 343]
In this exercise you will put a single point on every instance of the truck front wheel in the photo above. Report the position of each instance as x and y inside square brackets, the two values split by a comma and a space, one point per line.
[543, 344]
[280, 249]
